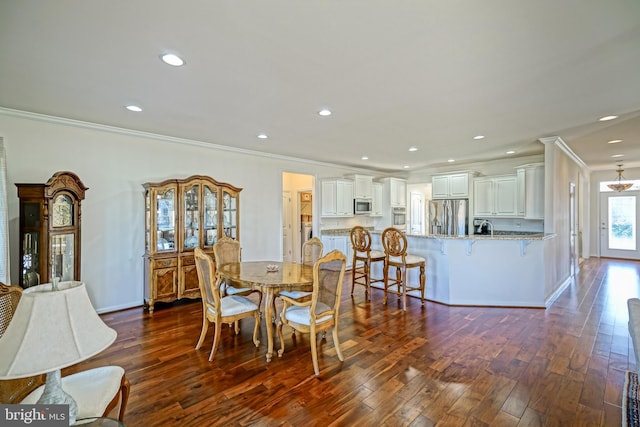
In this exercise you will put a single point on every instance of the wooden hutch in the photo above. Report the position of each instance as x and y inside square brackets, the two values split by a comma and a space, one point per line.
[180, 215]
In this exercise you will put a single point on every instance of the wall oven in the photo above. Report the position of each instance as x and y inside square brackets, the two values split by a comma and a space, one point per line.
[361, 206]
[399, 217]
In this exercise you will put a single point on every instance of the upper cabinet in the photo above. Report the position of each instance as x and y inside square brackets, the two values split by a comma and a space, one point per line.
[376, 201]
[395, 189]
[362, 186]
[531, 191]
[451, 186]
[495, 196]
[337, 197]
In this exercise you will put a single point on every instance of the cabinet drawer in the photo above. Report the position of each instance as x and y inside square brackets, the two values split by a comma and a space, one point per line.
[188, 261]
[164, 263]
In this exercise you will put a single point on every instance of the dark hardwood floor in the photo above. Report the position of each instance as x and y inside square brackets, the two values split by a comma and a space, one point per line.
[431, 366]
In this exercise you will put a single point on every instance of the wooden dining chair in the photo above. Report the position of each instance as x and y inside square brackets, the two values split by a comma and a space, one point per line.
[311, 252]
[227, 251]
[363, 257]
[321, 312]
[218, 309]
[394, 242]
[97, 391]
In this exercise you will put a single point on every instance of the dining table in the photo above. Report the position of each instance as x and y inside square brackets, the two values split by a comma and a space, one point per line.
[269, 277]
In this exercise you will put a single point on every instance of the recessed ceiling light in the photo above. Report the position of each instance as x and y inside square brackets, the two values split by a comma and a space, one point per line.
[413, 149]
[134, 108]
[364, 158]
[324, 112]
[614, 141]
[478, 137]
[451, 160]
[618, 155]
[406, 166]
[511, 152]
[172, 59]
[606, 118]
[262, 136]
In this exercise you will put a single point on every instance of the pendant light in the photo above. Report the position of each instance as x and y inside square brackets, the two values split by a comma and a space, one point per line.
[619, 185]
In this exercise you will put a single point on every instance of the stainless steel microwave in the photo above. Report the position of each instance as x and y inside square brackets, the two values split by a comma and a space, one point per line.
[362, 206]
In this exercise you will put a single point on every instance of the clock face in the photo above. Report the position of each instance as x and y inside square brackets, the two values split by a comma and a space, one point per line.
[62, 212]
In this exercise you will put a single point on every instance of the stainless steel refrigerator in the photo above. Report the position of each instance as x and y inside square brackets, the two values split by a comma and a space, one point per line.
[449, 217]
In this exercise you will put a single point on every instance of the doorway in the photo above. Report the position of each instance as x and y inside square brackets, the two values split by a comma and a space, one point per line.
[619, 214]
[417, 214]
[298, 221]
[573, 250]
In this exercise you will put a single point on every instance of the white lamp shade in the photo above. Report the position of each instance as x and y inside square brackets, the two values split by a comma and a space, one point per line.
[51, 330]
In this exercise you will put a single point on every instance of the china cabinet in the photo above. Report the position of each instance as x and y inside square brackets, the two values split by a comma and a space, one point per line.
[50, 219]
[180, 215]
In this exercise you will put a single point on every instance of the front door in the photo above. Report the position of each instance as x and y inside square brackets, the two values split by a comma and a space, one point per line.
[619, 213]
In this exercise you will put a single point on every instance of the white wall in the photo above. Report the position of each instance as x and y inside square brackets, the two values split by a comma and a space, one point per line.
[114, 164]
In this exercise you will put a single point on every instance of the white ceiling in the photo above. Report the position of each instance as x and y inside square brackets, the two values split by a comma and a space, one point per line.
[430, 74]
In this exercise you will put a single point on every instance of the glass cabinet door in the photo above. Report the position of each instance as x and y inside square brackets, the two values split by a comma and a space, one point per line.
[62, 256]
[210, 215]
[31, 259]
[166, 220]
[230, 211]
[191, 220]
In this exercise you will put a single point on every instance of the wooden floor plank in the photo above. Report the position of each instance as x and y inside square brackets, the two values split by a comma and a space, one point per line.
[433, 365]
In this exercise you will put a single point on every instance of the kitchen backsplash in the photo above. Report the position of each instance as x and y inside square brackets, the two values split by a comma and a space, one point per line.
[345, 223]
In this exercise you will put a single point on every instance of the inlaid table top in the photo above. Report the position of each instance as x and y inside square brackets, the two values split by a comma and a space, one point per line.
[255, 275]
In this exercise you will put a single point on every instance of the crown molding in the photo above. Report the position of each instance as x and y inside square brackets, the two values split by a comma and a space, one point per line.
[140, 134]
[558, 142]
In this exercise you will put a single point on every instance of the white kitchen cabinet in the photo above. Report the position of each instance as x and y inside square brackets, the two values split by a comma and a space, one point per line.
[362, 186]
[341, 243]
[337, 197]
[398, 189]
[450, 186]
[495, 196]
[376, 200]
[531, 191]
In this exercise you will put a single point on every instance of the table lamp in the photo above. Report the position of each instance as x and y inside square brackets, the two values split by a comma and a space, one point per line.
[50, 330]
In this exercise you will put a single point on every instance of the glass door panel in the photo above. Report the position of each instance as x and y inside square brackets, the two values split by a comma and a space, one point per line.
[230, 209]
[62, 256]
[210, 216]
[31, 259]
[622, 223]
[191, 220]
[166, 220]
[619, 225]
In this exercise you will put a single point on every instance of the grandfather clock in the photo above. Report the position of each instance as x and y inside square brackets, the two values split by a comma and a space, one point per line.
[50, 229]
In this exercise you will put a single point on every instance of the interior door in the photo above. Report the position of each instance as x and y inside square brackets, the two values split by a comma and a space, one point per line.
[286, 227]
[417, 214]
[573, 268]
[619, 213]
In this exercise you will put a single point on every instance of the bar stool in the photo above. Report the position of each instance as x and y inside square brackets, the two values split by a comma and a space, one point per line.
[394, 242]
[363, 256]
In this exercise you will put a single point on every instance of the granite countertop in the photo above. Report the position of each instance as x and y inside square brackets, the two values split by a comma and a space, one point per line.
[497, 235]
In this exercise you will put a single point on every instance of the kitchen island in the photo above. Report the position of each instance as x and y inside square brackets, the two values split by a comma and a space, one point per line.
[483, 270]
